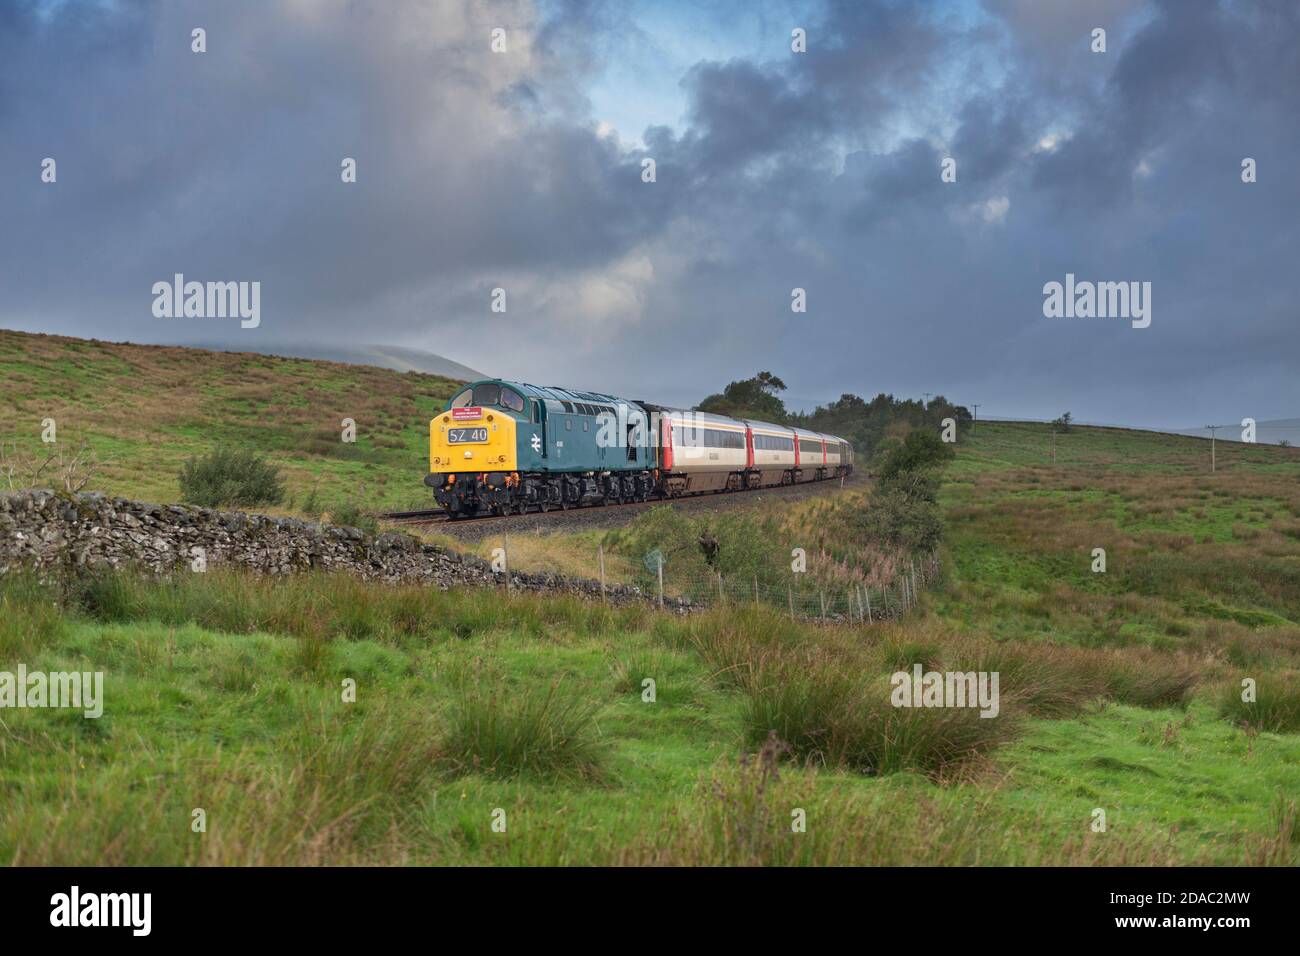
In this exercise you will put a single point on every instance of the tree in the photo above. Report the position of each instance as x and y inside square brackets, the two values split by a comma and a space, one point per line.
[1063, 423]
[749, 398]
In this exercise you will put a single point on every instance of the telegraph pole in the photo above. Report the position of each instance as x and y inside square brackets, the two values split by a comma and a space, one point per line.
[1212, 461]
[975, 423]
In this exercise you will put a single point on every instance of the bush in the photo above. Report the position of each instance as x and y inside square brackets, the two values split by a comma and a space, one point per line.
[231, 476]
[908, 464]
[900, 521]
[350, 514]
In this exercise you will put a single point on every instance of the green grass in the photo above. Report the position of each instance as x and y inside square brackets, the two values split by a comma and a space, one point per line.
[144, 410]
[469, 705]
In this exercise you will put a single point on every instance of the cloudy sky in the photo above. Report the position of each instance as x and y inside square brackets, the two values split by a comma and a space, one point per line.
[774, 170]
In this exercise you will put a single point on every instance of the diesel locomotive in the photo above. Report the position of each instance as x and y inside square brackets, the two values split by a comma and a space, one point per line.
[508, 447]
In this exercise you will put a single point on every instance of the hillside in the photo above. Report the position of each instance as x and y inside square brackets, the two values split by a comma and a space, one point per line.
[145, 409]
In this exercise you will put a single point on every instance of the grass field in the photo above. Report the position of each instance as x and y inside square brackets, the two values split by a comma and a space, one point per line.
[502, 729]
[144, 409]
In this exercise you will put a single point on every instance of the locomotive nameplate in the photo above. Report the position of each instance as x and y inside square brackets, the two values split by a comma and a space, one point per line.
[467, 414]
[466, 436]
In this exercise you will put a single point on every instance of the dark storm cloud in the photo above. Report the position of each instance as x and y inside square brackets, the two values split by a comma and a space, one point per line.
[818, 171]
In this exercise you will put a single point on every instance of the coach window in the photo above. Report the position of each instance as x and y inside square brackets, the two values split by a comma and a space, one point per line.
[488, 393]
[512, 400]
[463, 399]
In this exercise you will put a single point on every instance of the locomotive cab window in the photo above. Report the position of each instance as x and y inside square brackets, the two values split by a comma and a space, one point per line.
[488, 393]
[512, 400]
[463, 399]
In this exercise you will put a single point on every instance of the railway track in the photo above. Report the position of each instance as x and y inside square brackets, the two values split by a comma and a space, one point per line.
[557, 514]
[439, 516]
[413, 517]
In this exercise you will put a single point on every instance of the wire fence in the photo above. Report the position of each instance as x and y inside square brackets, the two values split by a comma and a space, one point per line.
[803, 596]
[806, 598]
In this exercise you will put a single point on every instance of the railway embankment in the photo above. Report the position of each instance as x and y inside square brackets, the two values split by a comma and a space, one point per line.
[54, 532]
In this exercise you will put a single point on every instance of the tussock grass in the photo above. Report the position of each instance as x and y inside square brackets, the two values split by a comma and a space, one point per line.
[839, 719]
[502, 729]
[1149, 679]
[1276, 706]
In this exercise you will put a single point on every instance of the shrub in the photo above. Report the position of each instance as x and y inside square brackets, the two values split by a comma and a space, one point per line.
[902, 464]
[900, 521]
[231, 476]
[351, 514]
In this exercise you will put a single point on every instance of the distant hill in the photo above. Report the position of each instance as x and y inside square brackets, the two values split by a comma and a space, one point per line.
[1270, 432]
[384, 356]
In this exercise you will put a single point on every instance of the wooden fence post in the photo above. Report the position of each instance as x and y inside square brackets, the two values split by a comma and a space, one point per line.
[601, 553]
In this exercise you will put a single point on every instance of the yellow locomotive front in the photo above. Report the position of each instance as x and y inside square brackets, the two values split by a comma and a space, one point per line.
[471, 449]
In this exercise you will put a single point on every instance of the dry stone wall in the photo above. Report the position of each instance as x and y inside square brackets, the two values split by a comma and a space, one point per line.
[60, 532]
